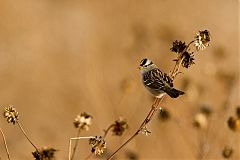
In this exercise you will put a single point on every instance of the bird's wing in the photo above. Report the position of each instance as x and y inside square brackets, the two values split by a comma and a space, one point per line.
[156, 79]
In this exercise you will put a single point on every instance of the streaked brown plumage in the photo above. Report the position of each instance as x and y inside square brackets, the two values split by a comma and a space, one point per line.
[156, 81]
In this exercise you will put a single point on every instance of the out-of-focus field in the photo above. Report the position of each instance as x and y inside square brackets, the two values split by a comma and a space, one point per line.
[61, 58]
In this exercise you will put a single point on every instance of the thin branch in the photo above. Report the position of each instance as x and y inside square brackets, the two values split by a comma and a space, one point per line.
[69, 149]
[21, 128]
[5, 144]
[145, 122]
[124, 144]
[107, 130]
[76, 144]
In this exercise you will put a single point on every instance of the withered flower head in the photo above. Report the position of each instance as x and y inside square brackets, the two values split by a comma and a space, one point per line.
[178, 46]
[234, 123]
[164, 114]
[119, 126]
[200, 120]
[187, 59]
[11, 114]
[98, 145]
[83, 121]
[44, 153]
[202, 40]
[227, 152]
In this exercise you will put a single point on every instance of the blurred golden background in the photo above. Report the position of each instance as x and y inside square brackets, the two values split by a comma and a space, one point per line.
[61, 58]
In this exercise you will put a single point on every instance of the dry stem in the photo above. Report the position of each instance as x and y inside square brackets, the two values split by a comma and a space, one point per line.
[176, 68]
[5, 144]
[107, 130]
[20, 126]
[145, 122]
[76, 144]
[77, 138]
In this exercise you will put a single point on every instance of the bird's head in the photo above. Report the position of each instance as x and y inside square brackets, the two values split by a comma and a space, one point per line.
[146, 65]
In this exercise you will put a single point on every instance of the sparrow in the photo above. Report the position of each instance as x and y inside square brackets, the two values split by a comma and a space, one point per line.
[157, 82]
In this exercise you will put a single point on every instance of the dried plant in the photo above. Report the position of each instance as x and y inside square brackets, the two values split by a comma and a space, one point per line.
[234, 123]
[227, 152]
[164, 115]
[82, 122]
[98, 143]
[185, 58]
[44, 153]
[119, 126]
[12, 116]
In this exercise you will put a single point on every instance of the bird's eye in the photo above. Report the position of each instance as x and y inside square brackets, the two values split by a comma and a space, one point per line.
[143, 62]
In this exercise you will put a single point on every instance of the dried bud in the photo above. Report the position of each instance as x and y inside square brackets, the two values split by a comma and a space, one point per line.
[178, 46]
[44, 154]
[97, 144]
[227, 152]
[164, 114]
[234, 123]
[83, 121]
[119, 126]
[202, 40]
[11, 114]
[187, 59]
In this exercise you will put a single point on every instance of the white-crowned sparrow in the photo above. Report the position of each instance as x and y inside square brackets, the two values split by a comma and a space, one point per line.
[156, 81]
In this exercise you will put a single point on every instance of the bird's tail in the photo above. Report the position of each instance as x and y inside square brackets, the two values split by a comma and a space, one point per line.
[172, 92]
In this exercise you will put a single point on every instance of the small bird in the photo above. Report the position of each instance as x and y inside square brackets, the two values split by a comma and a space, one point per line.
[156, 81]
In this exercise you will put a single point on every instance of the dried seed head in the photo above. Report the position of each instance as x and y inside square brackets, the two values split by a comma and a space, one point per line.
[98, 145]
[164, 114]
[202, 40]
[187, 59]
[234, 123]
[200, 120]
[11, 114]
[44, 153]
[119, 126]
[227, 152]
[178, 46]
[83, 121]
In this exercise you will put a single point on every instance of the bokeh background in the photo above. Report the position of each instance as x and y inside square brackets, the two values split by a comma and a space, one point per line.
[61, 58]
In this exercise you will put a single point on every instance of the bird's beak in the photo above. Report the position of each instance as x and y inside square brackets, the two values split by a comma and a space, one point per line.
[140, 67]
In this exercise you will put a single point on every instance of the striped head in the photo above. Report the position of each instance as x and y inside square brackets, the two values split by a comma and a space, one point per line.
[146, 65]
